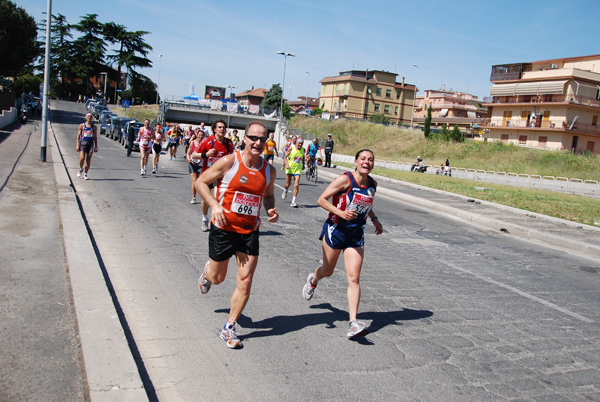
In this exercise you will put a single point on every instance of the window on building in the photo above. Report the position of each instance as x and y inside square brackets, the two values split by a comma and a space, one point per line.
[366, 106]
[388, 93]
[396, 110]
[543, 141]
[378, 92]
[504, 137]
[522, 140]
[397, 94]
[386, 108]
[595, 120]
[377, 107]
[369, 90]
[323, 105]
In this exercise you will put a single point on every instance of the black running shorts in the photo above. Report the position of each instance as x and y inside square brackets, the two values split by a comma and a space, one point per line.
[222, 244]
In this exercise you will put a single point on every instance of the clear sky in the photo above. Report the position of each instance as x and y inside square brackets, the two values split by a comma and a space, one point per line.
[453, 43]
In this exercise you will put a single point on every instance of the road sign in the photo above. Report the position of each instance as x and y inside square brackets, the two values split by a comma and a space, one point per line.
[125, 104]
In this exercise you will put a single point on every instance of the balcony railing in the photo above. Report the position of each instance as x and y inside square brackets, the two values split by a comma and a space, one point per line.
[565, 125]
[576, 100]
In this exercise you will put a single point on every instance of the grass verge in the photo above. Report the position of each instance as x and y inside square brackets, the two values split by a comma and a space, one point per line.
[564, 206]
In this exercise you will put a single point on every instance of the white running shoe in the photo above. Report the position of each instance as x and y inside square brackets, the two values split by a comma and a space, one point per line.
[356, 328]
[193, 201]
[228, 334]
[85, 176]
[293, 205]
[203, 283]
[80, 173]
[205, 227]
[309, 290]
[284, 195]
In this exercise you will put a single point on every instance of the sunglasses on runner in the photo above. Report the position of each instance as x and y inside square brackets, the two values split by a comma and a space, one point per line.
[255, 138]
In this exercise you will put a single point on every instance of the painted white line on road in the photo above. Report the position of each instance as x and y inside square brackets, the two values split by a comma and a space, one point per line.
[520, 292]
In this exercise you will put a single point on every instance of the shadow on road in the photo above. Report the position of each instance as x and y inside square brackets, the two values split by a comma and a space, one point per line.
[283, 324]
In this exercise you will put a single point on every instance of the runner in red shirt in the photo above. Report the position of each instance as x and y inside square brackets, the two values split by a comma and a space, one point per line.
[211, 150]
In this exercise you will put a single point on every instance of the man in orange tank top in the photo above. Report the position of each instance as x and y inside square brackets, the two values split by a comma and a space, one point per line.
[244, 182]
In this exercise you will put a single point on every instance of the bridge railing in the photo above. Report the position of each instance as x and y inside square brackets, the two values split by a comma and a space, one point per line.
[587, 188]
[220, 106]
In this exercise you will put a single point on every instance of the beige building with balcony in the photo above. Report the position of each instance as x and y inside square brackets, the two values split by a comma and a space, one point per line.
[450, 108]
[361, 93]
[549, 104]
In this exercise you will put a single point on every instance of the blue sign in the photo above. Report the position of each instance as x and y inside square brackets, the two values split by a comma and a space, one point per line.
[125, 104]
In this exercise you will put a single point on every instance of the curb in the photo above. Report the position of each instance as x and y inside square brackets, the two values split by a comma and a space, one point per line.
[109, 364]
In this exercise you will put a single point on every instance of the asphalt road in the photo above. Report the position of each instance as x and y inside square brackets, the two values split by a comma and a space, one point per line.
[455, 312]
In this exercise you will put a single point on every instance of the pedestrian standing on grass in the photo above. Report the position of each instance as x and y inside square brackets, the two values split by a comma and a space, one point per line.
[344, 231]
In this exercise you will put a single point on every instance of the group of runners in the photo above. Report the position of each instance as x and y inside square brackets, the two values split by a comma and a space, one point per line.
[236, 183]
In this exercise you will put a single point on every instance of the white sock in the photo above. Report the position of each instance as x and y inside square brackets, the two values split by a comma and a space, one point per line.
[205, 218]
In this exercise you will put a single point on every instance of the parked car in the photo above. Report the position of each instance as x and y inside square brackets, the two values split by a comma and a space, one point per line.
[97, 110]
[118, 129]
[136, 128]
[105, 120]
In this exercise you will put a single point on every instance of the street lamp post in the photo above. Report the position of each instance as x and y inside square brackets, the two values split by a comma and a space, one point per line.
[307, 85]
[285, 55]
[230, 91]
[43, 145]
[158, 83]
[105, 75]
[412, 114]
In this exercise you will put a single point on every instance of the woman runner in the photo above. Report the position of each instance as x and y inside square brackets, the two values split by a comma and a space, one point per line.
[344, 230]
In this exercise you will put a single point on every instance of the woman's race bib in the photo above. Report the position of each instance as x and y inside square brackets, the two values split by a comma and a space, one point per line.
[246, 204]
[360, 203]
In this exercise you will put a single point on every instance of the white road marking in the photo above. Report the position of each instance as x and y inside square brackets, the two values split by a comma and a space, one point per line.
[520, 292]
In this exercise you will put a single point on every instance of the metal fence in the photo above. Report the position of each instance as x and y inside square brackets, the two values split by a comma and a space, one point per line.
[587, 188]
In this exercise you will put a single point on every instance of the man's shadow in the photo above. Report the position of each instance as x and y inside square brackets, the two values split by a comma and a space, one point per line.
[284, 324]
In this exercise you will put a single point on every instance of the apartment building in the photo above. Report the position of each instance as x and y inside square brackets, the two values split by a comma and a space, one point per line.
[548, 104]
[362, 93]
[451, 109]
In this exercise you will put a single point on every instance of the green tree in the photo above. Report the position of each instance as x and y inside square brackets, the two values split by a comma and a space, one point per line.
[132, 50]
[18, 33]
[89, 48]
[456, 135]
[143, 89]
[316, 112]
[62, 59]
[288, 112]
[379, 118]
[272, 99]
[427, 124]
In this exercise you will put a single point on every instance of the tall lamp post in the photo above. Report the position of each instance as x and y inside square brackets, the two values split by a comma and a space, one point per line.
[307, 85]
[158, 83]
[46, 84]
[285, 55]
[105, 75]
[412, 114]
[230, 90]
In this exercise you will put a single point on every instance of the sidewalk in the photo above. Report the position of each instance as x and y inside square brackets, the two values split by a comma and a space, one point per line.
[61, 338]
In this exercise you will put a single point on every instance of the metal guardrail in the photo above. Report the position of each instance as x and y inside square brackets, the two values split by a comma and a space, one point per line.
[587, 188]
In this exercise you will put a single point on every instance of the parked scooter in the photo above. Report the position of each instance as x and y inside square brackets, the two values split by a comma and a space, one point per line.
[23, 114]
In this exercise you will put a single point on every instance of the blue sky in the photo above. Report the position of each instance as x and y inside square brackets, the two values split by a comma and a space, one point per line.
[234, 42]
